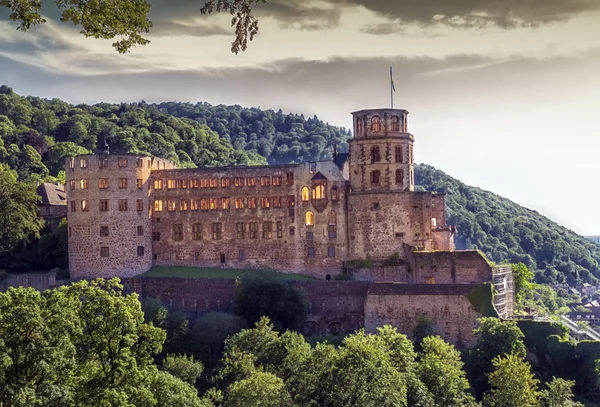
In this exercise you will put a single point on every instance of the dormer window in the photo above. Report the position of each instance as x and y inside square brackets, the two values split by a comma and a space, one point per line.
[395, 123]
[375, 124]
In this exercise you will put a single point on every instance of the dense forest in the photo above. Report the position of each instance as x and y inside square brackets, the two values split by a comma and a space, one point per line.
[36, 134]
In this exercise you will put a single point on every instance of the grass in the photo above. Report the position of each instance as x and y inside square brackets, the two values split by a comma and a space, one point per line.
[209, 272]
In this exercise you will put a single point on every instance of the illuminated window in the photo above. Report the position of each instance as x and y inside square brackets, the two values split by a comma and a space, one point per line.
[305, 194]
[265, 202]
[170, 205]
[194, 204]
[213, 203]
[72, 185]
[395, 123]
[251, 182]
[318, 192]
[225, 203]
[310, 218]
[252, 203]
[122, 183]
[122, 162]
[375, 124]
[139, 183]
[171, 184]
[335, 194]
[399, 177]
[359, 126]
[197, 231]
[183, 204]
[83, 163]
[332, 218]
[239, 203]
[214, 182]
[157, 184]
[158, 205]
[103, 183]
[226, 182]
[398, 153]
[71, 163]
[241, 230]
[193, 183]
[429, 280]
[104, 205]
[265, 181]
[291, 201]
[276, 181]
[375, 156]
[122, 205]
[238, 182]
[178, 232]
[267, 230]
[84, 205]
[277, 202]
[139, 205]
[204, 204]
[216, 231]
[203, 183]
[375, 175]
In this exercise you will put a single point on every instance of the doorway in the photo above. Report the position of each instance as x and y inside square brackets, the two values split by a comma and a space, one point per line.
[222, 258]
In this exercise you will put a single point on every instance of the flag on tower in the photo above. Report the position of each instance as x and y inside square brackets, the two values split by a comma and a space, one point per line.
[392, 80]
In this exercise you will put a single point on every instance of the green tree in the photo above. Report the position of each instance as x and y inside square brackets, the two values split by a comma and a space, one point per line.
[210, 332]
[440, 368]
[260, 389]
[513, 384]
[559, 394]
[19, 221]
[183, 367]
[523, 280]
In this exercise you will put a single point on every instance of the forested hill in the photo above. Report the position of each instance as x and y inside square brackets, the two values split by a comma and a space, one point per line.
[36, 134]
[505, 230]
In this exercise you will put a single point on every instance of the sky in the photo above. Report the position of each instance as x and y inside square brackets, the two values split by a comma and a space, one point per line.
[502, 94]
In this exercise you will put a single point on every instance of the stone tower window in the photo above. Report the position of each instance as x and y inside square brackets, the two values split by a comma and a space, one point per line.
[253, 226]
[197, 231]
[239, 203]
[305, 194]
[177, 232]
[289, 178]
[335, 194]
[72, 185]
[122, 183]
[104, 252]
[311, 252]
[83, 163]
[104, 205]
[375, 155]
[84, 205]
[71, 163]
[331, 252]
[265, 202]
[241, 230]
[276, 202]
[395, 123]
[310, 218]
[216, 231]
[375, 124]
[104, 231]
[359, 126]
[140, 251]
[318, 192]
[122, 162]
[375, 177]
[139, 183]
[170, 205]
[103, 162]
[267, 230]
[332, 218]
[252, 203]
[83, 184]
[226, 182]
[139, 163]
[158, 205]
[140, 231]
[103, 183]
[265, 181]
[157, 184]
[276, 180]
[225, 203]
[399, 177]
[398, 153]
[122, 204]
[183, 205]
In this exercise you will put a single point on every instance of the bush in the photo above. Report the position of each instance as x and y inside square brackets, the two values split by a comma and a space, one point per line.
[394, 260]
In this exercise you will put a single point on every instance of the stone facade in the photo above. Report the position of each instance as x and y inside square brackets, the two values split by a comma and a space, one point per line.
[306, 218]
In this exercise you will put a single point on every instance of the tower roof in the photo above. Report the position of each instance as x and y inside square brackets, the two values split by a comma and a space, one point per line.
[381, 110]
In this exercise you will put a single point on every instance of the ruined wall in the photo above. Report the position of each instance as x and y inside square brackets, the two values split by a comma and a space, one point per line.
[39, 281]
[109, 235]
[459, 267]
[335, 307]
[220, 199]
[401, 305]
[381, 223]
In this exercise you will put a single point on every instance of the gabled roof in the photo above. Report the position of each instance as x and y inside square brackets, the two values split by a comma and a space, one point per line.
[52, 194]
[318, 176]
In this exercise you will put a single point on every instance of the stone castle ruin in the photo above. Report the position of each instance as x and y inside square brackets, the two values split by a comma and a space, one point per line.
[357, 214]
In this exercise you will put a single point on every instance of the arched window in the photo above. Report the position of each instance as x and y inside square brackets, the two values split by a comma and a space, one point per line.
[305, 194]
[375, 124]
[375, 156]
[395, 123]
[375, 175]
[399, 177]
[335, 194]
[318, 192]
[332, 218]
[359, 126]
[310, 218]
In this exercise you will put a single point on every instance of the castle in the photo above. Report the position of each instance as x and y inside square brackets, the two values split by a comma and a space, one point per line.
[128, 213]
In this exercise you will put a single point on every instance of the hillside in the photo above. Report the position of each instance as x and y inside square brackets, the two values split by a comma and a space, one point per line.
[36, 134]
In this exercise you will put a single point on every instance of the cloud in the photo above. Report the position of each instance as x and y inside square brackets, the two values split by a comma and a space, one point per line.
[191, 28]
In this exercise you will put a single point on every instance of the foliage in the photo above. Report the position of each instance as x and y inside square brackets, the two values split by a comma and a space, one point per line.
[210, 332]
[559, 394]
[360, 263]
[285, 305]
[523, 280]
[18, 201]
[513, 384]
[424, 328]
[482, 300]
[504, 230]
[393, 260]
[183, 367]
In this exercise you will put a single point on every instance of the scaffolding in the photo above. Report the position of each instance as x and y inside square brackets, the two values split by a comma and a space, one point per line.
[504, 290]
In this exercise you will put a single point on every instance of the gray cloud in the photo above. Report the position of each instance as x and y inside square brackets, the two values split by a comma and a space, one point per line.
[167, 28]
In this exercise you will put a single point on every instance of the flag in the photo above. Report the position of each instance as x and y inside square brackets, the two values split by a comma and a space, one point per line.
[392, 80]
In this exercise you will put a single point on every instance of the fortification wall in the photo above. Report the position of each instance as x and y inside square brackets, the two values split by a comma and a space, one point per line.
[108, 214]
[458, 267]
[225, 215]
[335, 307]
[401, 305]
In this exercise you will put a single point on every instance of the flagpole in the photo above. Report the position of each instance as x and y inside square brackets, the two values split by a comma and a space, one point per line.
[391, 88]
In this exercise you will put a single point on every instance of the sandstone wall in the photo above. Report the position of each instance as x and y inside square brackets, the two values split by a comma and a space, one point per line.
[316, 249]
[401, 305]
[459, 267]
[39, 281]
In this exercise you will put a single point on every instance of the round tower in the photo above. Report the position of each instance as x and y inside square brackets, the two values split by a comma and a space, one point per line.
[109, 222]
[381, 152]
